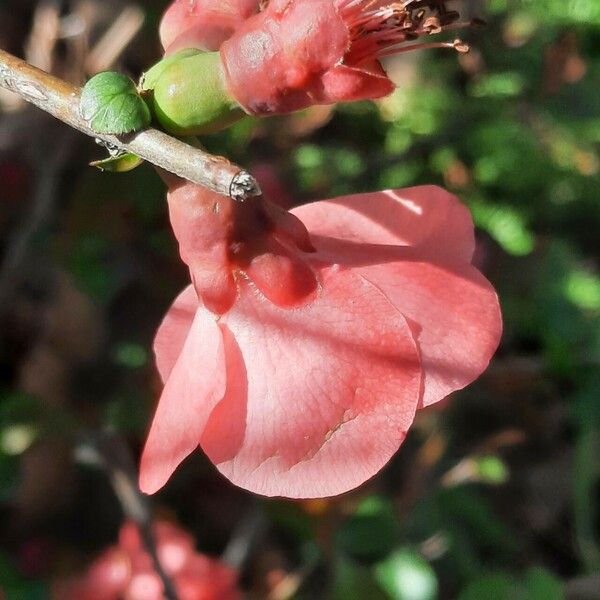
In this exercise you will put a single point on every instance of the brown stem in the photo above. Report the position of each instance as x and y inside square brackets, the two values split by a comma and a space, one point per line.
[109, 452]
[61, 100]
[40, 211]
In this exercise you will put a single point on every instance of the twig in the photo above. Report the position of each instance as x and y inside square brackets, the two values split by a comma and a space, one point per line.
[61, 100]
[115, 40]
[38, 215]
[44, 34]
[583, 588]
[110, 453]
[250, 530]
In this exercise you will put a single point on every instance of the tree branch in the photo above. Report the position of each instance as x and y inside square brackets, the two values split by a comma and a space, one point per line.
[109, 452]
[61, 100]
[40, 210]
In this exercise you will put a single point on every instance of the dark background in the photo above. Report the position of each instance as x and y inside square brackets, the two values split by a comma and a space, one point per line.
[495, 495]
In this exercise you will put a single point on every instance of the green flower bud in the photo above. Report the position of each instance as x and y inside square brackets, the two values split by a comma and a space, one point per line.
[189, 96]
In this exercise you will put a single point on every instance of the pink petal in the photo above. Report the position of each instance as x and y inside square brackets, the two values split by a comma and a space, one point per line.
[327, 396]
[203, 24]
[273, 63]
[173, 331]
[110, 573]
[145, 586]
[426, 217]
[455, 316]
[195, 386]
[346, 84]
[420, 243]
[282, 276]
[207, 579]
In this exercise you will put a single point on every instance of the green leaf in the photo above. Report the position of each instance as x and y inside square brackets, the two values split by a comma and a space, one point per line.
[18, 408]
[122, 413]
[354, 581]
[495, 586]
[9, 476]
[14, 585]
[371, 533]
[537, 584]
[111, 104]
[540, 584]
[130, 355]
[586, 473]
[492, 470]
[291, 519]
[406, 575]
[121, 163]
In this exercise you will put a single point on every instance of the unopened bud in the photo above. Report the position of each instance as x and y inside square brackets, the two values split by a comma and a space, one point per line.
[188, 94]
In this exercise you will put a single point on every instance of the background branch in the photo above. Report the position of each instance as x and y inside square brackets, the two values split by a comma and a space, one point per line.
[109, 452]
[61, 100]
[39, 213]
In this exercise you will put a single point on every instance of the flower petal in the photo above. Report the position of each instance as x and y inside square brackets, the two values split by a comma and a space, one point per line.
[282, 276]
[455, 317]
[195, 386]
[273, 63]
[427, 218]
[415, 245]
[343, 83]
[203, 24]
[173, 331]
[331, 392]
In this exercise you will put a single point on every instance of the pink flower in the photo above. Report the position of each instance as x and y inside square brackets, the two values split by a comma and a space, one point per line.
[126, 571]
[297, 361]
[203, 24]
[297, 53]
[291, 55]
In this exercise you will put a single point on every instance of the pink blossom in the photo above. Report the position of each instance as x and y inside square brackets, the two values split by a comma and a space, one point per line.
[203, 24]
[297, 53]
[300, 354]
[126, 571]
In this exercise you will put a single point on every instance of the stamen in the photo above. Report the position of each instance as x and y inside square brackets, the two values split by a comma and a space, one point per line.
[457, 45]
[379, 28]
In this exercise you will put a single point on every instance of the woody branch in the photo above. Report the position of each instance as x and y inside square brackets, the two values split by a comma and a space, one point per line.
[61, 100]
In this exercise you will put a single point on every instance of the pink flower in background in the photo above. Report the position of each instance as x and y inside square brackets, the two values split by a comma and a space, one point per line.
[203, 24]
[297, 53]
[300, 354]
[126, 571]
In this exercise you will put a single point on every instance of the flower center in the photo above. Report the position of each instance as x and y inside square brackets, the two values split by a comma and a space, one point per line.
[381, 28]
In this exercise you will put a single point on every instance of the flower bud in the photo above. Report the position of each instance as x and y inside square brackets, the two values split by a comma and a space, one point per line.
[298, 53]
[291, 55]
[189, 96]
